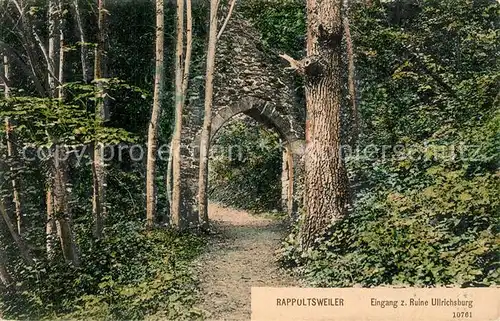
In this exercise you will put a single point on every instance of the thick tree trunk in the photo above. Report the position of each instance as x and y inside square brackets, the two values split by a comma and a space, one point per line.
[102, 115]
[325, 175]
[207, 120]
[175, 207]
[155, 117]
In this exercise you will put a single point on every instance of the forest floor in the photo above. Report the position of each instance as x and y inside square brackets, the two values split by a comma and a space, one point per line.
[240, 255]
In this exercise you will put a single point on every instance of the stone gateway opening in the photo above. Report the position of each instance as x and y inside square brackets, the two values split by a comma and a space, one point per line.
[248, 80]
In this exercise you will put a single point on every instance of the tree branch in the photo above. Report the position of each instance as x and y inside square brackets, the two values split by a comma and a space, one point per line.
[233, 2]
[294, 64]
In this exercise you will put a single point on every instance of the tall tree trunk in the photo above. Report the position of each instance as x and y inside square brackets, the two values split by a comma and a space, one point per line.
[11, 149]
[325, 175]
[60, 92]
[351, 80]
[86, 71]
[50, 225]
[155, 117]
[12, 154]
[53, 51]
[102, 115]
[207, 120]
[58, 199]
[62, 209]
[180, 103]
[51, 60]
[175, 207]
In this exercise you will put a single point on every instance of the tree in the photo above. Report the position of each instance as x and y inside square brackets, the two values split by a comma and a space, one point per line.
[86, 72]
[155, 117]
[58, 198]
[11, 148]
[102, 115]
[325, 175]
[175, 206]
[207, 119]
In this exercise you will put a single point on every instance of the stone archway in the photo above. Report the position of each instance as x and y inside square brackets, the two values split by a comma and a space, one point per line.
[249, 80]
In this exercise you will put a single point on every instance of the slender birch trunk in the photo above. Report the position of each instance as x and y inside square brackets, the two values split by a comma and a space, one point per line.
[86, 71]
[12, 150]
[102, 115]
[60, 92]
[53, 49]
[50, 225]
[58, 198]
[207, 120]
[180, 108]
[175, 207]
[50, 58]
[155, 117]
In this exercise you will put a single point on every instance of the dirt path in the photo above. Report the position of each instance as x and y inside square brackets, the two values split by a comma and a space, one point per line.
[240, 257]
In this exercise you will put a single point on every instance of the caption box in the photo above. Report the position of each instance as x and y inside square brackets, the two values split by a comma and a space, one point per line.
[375, 304]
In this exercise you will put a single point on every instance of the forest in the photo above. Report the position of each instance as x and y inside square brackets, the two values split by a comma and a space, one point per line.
[159, 158]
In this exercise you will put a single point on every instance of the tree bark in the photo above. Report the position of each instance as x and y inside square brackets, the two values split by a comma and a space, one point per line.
[62, 209]
[86, 72]
[58, 199]
[50, 58]
[11, 149]
[50, 225]
[207, 120]
[53, 51]
[102, 115]
[155, 117]
[60, 92]
[175, 207]
[325, 175]
[12, 154]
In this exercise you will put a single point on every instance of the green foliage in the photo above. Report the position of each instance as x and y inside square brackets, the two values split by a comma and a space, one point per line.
[281, 22]
[127, 275]
[245, 171]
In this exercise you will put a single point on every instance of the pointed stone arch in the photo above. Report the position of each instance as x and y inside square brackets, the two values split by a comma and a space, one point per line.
[249, 80]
